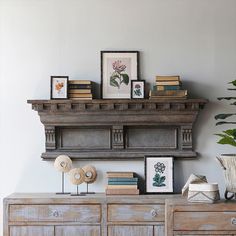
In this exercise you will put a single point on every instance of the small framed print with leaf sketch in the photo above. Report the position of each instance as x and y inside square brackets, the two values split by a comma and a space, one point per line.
[59, 87]
[118, 69]
[137, 89]
[159, 174]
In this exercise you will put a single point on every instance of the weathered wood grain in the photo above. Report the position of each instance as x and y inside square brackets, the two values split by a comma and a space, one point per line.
[118, 129]
[77, 230]
[74, 213]
[184, 218]
[31, 231]
[136, 213]
[159, 230]
[204, 220]
[34, 214]
[198, 233]
[130, 230]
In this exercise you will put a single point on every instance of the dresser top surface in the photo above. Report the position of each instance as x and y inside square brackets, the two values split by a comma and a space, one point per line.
[35, 198]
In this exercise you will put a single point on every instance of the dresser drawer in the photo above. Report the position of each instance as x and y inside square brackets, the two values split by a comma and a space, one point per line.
[66, 213]
[136, 213]
[205, 221]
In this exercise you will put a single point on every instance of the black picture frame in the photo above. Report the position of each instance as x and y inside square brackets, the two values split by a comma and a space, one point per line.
[171, 179]
[132, 89]
[66, 79]
[102, 57]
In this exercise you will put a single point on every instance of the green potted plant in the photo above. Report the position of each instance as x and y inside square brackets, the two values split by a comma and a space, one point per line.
[228, 137]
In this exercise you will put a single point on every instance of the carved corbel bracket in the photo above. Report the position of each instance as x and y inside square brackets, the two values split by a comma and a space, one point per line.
[50, 137]
[186, 137]
[117, 137]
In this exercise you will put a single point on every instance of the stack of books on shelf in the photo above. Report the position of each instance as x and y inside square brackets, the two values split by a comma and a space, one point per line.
[120, 183]
[168, 87]
[80, 90]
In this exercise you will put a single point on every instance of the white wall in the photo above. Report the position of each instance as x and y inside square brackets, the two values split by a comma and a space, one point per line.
[39, 38]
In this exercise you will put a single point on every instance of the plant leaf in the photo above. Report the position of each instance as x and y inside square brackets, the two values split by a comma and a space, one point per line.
[225, 122]
[113, 82]
[233, 82]
[223, 116]
[162, 179]
[226, 98]
[227, 140]
[161, 185]
[231, 132]
[125, 79]
[221, 135]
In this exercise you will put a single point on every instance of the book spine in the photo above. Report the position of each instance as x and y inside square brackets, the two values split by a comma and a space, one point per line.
[80, 82]
[168, 82]
[167, 78]
[122, 191]
[122, 186]
[82, 95]
[80, 99]
[79, 91]
[119, 176]
[177, 93]
[121, 183]
[166, 87]
[123, 179]
[79, 86]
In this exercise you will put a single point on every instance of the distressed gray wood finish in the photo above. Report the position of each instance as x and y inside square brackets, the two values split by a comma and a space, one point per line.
[130, 230]
[184, 218]
[31, 231]
[118, 129]
[77, 230]
[26, 213]
[136, 213]
[72, 213]
[159, 230]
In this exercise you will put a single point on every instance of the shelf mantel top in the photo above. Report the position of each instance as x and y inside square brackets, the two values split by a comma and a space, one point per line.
[117, 104]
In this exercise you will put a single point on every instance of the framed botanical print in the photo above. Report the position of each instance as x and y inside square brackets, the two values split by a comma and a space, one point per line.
[137, 88]
[59, 87]
[118, 69]
[159, 174]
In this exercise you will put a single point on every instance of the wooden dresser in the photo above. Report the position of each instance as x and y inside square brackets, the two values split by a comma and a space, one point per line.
[92, 215]
[183, 218]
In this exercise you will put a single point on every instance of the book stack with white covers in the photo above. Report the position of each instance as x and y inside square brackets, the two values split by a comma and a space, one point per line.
[120, 183]
[168, 87]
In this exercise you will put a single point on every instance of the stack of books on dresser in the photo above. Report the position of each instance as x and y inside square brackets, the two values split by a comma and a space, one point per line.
[80, 90]
[120, 183]
[168, 87]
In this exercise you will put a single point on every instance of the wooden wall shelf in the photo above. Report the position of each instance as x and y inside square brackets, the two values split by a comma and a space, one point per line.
[118, 129]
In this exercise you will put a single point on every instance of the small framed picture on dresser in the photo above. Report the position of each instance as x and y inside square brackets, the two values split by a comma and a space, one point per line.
[59, 87]
[158, 174]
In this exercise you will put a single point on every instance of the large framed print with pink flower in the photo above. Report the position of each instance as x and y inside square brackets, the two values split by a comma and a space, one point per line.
[118, 69]
[158, 174]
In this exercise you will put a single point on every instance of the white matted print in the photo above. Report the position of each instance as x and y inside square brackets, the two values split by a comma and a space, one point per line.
[118, 69]
[159, 174]
[59, 87]
[137, 89]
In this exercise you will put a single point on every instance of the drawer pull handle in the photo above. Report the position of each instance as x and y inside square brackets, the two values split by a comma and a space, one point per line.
[154, 213]
[55, 213]
[233, 221]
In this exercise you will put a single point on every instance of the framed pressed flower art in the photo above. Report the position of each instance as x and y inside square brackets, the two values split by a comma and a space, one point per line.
[59, 87]
[118, 69]
[159, 174]
[137, 88]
